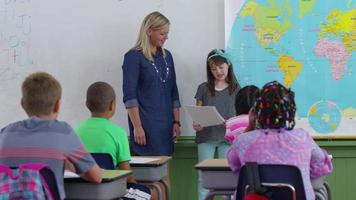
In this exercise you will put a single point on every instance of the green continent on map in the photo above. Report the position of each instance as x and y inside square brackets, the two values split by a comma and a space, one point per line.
[305, 6]
[269, 25]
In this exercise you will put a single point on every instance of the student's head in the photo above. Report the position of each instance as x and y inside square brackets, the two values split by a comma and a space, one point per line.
[219, 68]
[41, 93]
[246, 98]
[275, 108]
[153, 34]
[101, 99]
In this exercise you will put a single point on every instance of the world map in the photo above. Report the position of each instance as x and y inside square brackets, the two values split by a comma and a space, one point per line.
[308, 45]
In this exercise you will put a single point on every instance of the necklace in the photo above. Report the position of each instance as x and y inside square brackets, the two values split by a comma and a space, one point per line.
[163, 79]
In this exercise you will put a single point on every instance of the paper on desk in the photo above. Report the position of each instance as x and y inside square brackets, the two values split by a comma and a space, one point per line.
[205, 115]
[139, 160]
[69, 174]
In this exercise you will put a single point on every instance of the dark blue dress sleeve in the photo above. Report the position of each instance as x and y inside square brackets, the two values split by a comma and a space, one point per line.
[131, 75]
[175, 93]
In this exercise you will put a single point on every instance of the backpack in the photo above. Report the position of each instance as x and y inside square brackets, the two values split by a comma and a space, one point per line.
[23, 183]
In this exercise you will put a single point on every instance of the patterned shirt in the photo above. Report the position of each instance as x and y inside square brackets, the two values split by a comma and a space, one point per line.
[235, 126]
[273, 146]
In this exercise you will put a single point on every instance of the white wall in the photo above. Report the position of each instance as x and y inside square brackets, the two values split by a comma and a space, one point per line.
[83, 41]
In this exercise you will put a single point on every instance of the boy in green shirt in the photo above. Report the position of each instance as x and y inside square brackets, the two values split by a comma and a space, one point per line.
[99, 134]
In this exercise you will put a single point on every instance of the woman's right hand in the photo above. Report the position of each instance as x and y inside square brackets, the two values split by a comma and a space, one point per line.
[197, 126]
[140, 135]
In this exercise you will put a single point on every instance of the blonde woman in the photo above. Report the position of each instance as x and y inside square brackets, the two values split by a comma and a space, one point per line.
[150, 90]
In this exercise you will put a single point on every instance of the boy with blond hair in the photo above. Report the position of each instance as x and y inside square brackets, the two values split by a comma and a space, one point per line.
[42, 138]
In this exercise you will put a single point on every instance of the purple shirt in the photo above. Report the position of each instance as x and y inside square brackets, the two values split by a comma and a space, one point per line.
[273, 146]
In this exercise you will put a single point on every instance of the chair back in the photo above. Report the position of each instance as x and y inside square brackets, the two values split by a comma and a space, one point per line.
[104, 160]
[282, 181]
[51, 182]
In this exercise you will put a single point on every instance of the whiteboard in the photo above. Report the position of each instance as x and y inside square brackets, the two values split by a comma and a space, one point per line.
[83, 41]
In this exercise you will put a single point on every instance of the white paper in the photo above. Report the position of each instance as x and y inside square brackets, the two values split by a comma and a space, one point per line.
[205, 115]
[142, 160]
[69, 174]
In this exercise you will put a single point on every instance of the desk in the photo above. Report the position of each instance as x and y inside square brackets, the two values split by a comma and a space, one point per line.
[218, 178]
[150, 170]
[113, 186]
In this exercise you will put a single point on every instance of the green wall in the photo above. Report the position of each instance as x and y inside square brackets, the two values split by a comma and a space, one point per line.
[342, 180]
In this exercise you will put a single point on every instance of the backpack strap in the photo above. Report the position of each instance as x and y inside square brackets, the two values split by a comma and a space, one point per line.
[38, 167]
[253, 177]
[7, 170]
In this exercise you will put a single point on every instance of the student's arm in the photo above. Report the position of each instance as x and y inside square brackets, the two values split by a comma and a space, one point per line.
[320, 164]
[233, 158]
[93, 174]
[139, 132]
[126, 166]
[197, 126]
[83, 163]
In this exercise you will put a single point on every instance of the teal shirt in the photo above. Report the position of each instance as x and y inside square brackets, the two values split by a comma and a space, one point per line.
[100, 135]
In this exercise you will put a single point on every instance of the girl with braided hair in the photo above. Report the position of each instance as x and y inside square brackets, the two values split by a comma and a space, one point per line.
[275, 141]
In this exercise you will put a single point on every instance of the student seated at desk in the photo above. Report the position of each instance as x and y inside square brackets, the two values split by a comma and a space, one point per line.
[100, 135]
[244, 102]
[276, 142]
[43, 139]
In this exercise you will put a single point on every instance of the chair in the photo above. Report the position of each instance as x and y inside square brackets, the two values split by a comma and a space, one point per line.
[104, 160]
[282, 181]
[323, 193]
[51, 182]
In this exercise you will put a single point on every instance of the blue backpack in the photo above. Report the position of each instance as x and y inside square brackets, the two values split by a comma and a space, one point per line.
[24, 183]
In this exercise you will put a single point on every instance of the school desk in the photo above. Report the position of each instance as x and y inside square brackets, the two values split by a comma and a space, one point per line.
[218, 178]
[150, 170]
[113, 185]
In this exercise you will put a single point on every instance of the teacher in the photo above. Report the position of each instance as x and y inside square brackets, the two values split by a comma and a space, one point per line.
[150, 92]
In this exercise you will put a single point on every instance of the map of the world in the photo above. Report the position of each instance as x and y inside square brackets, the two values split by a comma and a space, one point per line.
[309, 46]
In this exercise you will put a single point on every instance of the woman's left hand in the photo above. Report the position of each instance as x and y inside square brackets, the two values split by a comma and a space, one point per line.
[176, 132]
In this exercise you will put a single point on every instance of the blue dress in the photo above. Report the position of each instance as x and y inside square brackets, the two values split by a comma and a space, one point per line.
[152, 87]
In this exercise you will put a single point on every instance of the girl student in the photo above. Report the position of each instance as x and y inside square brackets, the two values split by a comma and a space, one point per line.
[276, 141]
[220, 91]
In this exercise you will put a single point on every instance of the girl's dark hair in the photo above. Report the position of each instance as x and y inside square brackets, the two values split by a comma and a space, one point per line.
[246, 98]
[216, 58]
[275, 108]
